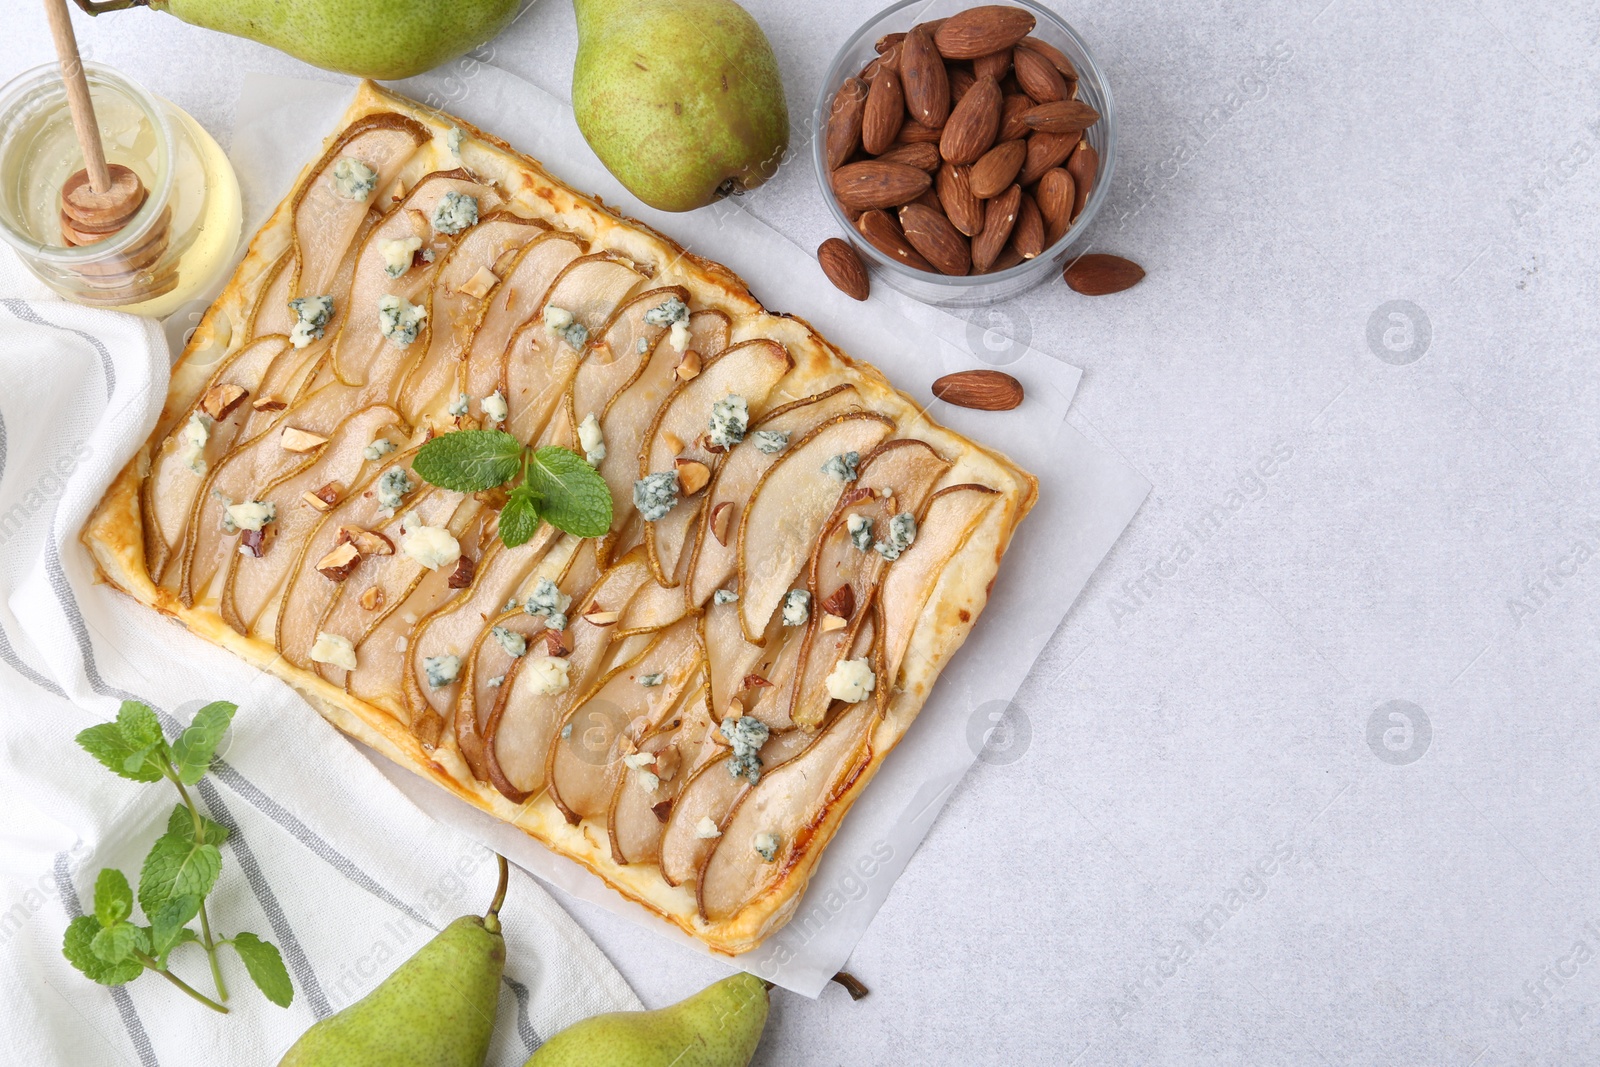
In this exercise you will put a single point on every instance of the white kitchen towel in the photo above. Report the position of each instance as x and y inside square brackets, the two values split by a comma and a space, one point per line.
[326, 858]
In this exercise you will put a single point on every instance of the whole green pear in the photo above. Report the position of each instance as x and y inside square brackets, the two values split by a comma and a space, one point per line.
[436, 1010]
[720, 1026]
[368, 38]
[682, 101]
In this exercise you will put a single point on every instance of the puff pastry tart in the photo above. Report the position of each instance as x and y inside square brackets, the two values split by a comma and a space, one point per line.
[687, 706]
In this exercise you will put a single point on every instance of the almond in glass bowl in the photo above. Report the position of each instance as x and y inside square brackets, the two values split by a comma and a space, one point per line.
[1022, 134]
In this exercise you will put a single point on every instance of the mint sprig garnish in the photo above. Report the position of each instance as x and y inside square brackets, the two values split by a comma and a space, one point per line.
[553, 484]
[179, 872]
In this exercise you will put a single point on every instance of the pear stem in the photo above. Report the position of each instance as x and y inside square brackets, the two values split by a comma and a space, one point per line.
[491, 918]
[852, 984]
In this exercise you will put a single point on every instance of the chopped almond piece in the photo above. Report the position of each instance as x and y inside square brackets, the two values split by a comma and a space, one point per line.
[596, 617]
[340, 563]
[462, 576]
[692, 476]
[662, 810]
[689, 366]
[325, 498]
[673, 442]
[222, 399]
[842, 603]
[833, 622]
[367, 542]
[667, 763]
[253, 542]
[479, 284]
[372, 597]
[294, 440]
[721, 520]
[268, 403]
[552, 642]
[314, 501]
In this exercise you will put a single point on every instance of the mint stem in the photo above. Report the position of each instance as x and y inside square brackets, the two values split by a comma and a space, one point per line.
[205, 920]
[179, 982]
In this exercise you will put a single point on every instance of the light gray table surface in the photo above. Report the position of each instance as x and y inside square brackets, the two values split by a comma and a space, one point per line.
[1213, 836]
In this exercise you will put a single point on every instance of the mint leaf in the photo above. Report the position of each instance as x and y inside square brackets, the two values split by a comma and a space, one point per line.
[266, 968]
[519, 518]
[177, 866]
[469, 460]
[181, 824]
[113, 944]
[193, 749]
[572, 495]
[169, 922]
[77, 947]
[107, 744]
[183, 936]
[139, 725]
[113, 900]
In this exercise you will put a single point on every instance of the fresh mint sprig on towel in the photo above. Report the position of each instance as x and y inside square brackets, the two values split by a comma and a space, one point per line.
[179, 872]
[554, 484]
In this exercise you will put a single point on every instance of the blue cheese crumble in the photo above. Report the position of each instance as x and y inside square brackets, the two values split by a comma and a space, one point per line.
[641, 346]
[771, 441]
[592, 440]
[860, 529]
[452, 140]
[460, 405]
[650, 681]
[766, 846]
[431, 546]
[398, 254]
[515, 644]
[393, 485]
[454, 212]
[796, 607]
[399, 319]
[311, 318]
[496, 682]
[843, 466]
[353, 179]
[250, 515]
[730, 417]
[724, 596]
[334, 650]
[902, 531]
[561, 322]
[192, 442]
[674, 313]
[745, 735]
[851, 680]
[656, 494]
[441, 670]
[380, 447]
[548, 600]
[494, 408]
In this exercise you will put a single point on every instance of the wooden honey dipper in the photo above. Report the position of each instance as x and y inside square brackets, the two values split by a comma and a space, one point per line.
[99, 200]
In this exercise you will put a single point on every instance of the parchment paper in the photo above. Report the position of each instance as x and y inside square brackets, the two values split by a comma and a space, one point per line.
[1086, 497]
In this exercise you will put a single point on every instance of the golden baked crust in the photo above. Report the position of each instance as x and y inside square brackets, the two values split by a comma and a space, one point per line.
[121, 533]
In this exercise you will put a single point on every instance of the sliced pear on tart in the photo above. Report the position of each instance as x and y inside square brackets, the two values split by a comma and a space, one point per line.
[612, 718]
[451, 629]
[544, 354]
[787, 508]
[302, 499]
[528, 711]
[326, 218]
[951, 516]
[621, 353]
[685, 432]
[714, 562]
[178, 468]
[516, 301]
[779, 814]
[848, 564]
[461, 291]
[640, 807]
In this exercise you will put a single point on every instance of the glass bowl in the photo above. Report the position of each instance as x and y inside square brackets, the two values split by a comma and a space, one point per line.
[973, 290]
